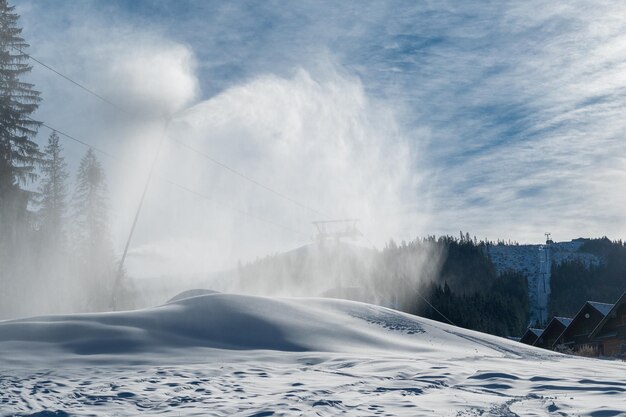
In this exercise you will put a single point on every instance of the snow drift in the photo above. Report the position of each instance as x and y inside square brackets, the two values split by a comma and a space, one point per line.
[239, 322]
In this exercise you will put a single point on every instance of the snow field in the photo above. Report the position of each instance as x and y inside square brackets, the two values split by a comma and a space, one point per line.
[225, 354]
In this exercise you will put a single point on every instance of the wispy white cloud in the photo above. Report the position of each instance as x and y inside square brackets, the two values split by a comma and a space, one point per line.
[560, 166]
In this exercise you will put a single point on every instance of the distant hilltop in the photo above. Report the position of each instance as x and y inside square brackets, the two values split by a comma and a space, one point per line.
[535, 261]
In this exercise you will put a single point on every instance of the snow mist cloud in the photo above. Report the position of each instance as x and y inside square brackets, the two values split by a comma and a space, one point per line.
[315, 138]
[156, 79]
[310, 131]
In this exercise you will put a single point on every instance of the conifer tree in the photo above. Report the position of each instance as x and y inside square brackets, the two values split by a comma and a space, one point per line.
[19, 155]
[92, 232]
[53, 191]
[55, 274]
[18, 100]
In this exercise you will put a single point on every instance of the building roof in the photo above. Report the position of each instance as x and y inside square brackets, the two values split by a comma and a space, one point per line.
[533, 331]
[603, 308]
[530, 336]
[600, 325]
[565, 321]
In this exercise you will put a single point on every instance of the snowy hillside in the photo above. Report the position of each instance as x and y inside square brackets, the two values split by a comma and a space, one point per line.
[535, 261]
[224, 354]
[311, 270]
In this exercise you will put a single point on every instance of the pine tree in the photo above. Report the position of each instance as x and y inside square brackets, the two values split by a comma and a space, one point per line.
[53, 191]
[92, 234]
[53, 258]
[18, 100]
[19, 155]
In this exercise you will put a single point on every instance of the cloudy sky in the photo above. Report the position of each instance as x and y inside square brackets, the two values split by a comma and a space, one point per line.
[504, 119]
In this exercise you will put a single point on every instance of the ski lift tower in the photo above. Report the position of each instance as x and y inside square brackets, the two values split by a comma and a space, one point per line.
[330, 234]
[335, 230]
[543, 285]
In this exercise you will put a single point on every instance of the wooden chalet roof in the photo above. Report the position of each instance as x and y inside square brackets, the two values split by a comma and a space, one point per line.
[602, 308]
[531, 333]
[622, 300]
[565, 321]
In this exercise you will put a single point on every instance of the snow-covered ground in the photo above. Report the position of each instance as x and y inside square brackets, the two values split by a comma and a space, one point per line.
[224, 354]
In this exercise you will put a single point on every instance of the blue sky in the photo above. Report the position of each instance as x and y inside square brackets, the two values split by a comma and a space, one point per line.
[511, 112]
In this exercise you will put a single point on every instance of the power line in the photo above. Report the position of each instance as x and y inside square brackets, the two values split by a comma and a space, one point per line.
[241, 212]
[60, 132]
[247, 178]
[208, 157]
[435, 308]
[367, 240]
[76, 83]
[189, 147]
[182, 187]
[255, 182]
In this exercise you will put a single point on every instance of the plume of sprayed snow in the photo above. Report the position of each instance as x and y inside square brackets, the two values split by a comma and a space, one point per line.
[314, 137]
[390, 277]
[140, 70]
[156, 79]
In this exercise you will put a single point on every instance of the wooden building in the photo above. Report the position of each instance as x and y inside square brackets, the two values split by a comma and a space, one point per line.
[552, 331]
[577, 333]
[530, 336]
[610, 334]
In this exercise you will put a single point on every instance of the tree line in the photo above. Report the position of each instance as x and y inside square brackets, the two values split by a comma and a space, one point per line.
[467, 290]
[442, 278]
[56, 253]
[574, 282]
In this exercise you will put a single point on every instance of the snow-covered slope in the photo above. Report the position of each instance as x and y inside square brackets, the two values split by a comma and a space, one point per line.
[236, 322]
[225, 354]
